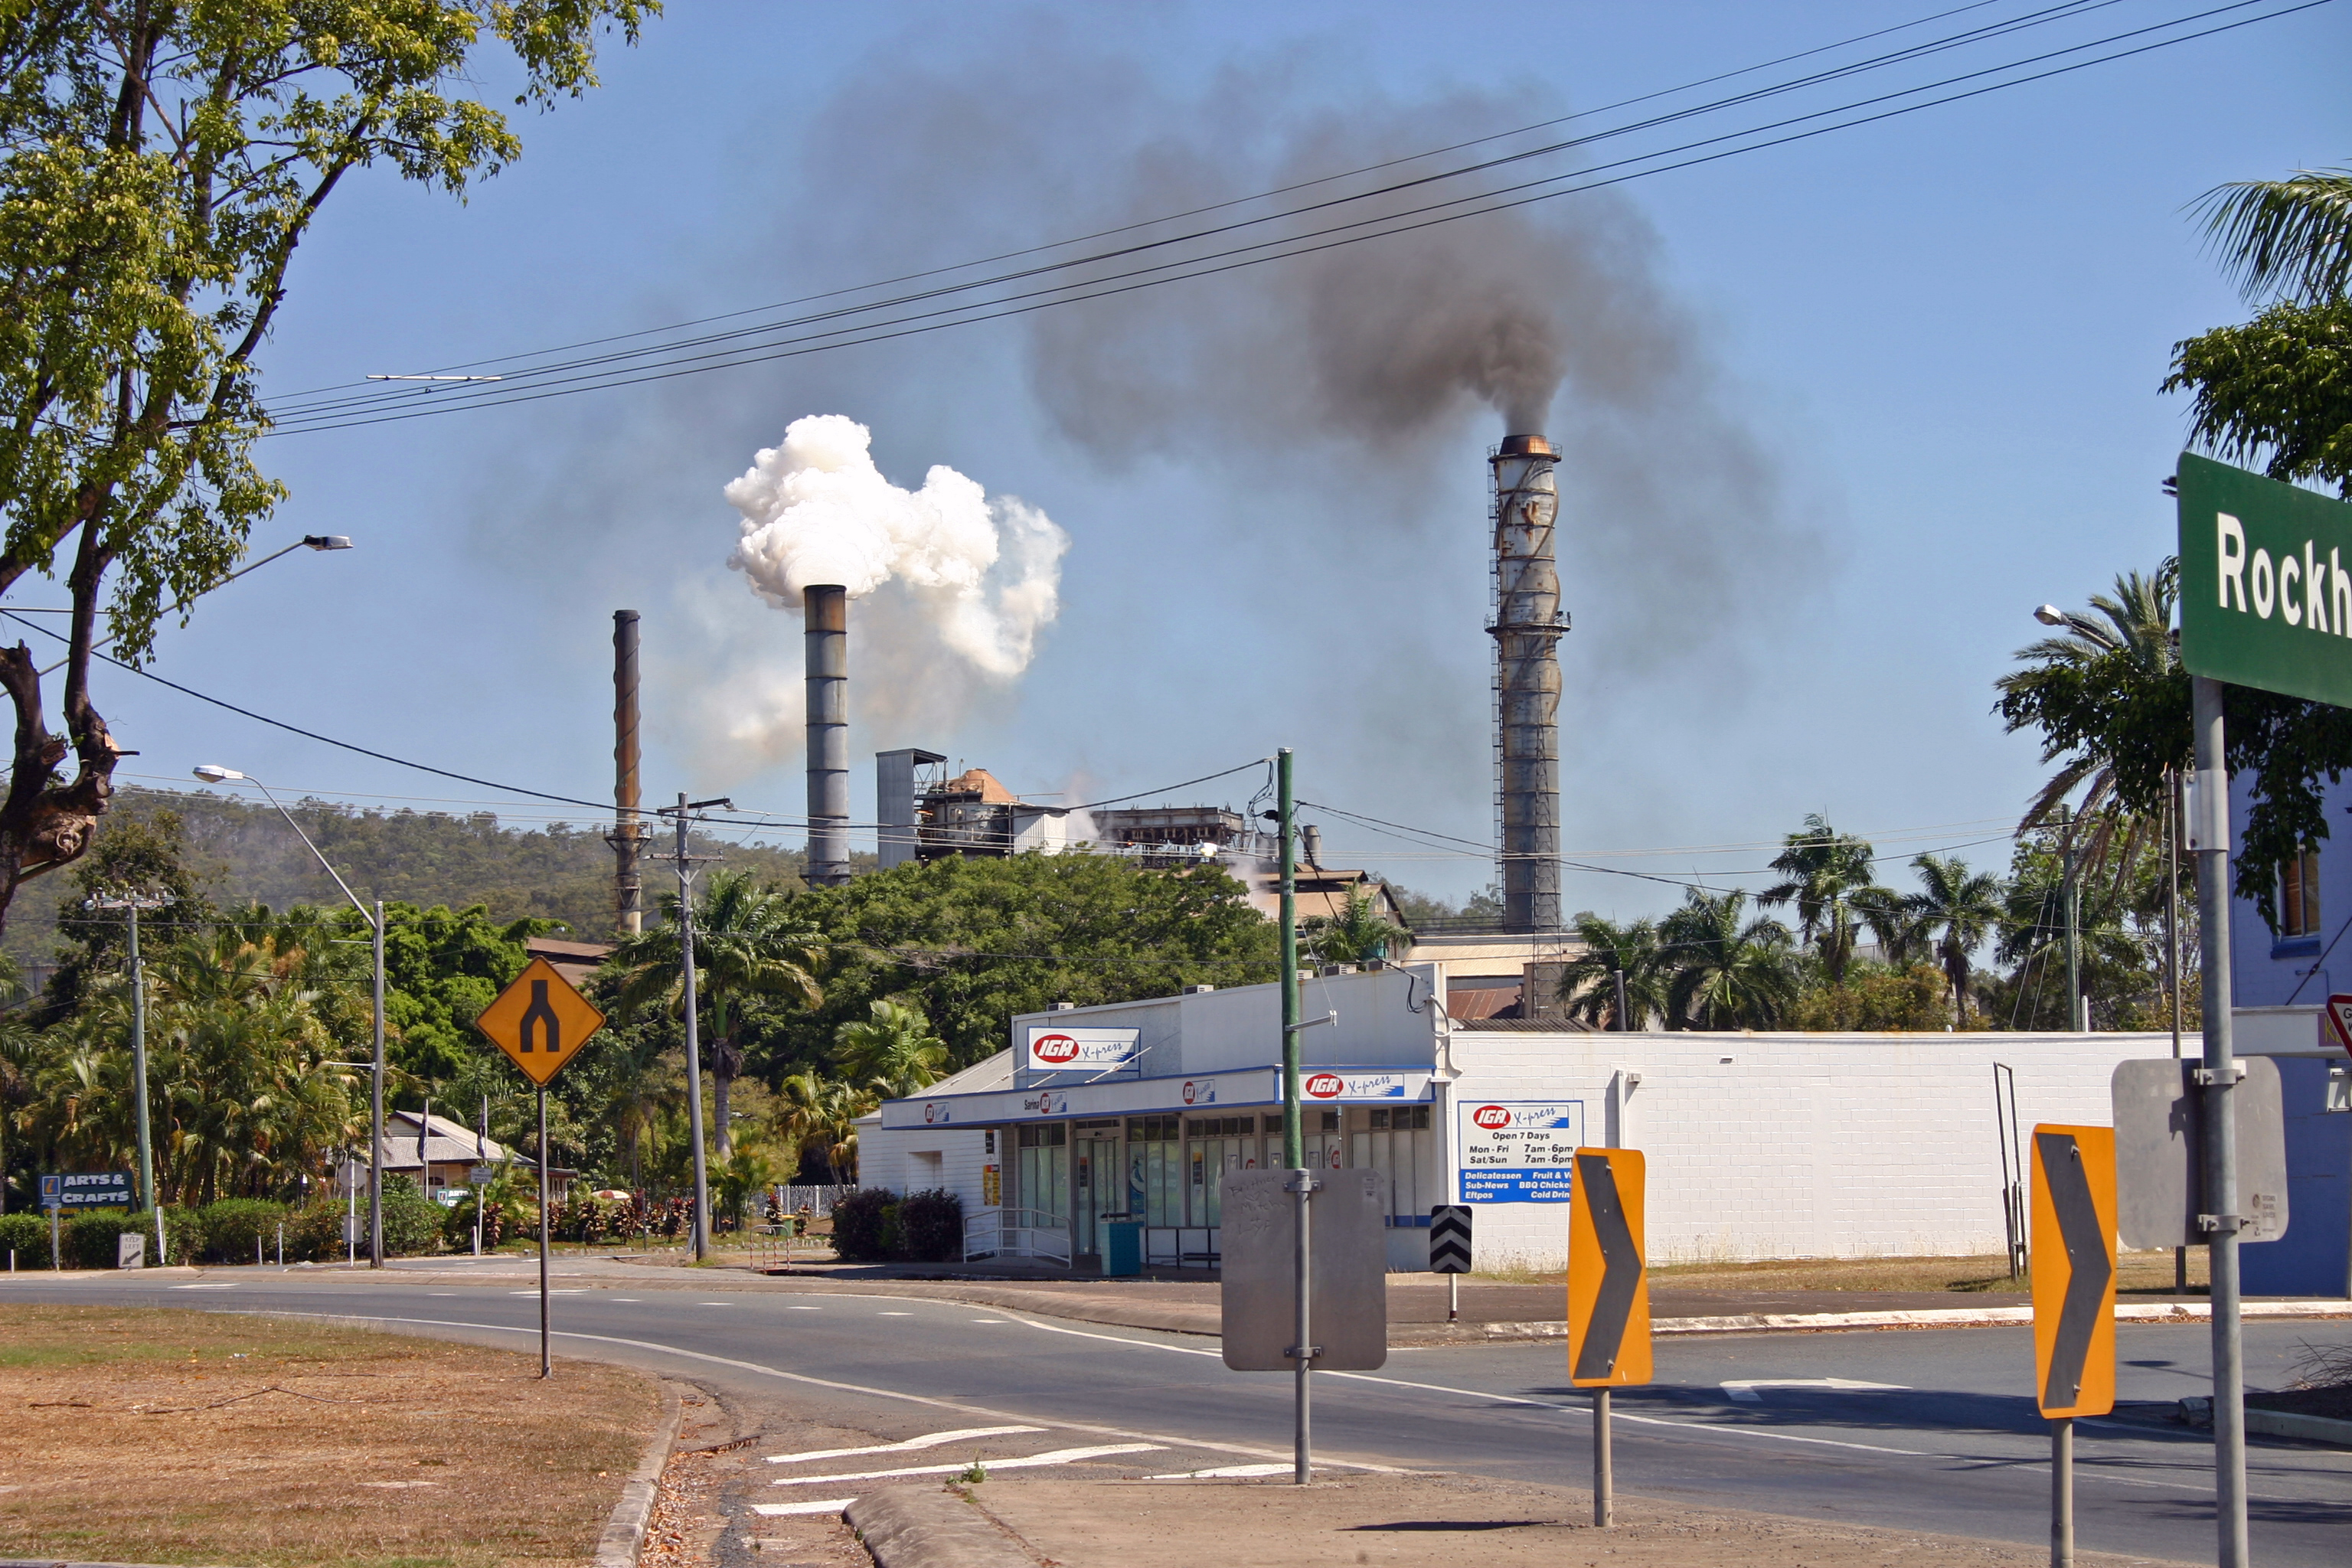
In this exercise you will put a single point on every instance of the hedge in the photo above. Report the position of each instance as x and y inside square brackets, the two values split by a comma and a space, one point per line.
[874, 1225]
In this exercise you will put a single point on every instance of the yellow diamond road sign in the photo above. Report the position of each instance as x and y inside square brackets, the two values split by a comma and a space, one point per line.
[539, 1021]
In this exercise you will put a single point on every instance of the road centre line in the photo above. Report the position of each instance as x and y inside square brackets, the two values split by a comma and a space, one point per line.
[1621, 1414]
[1034, 1461]
[1159, 1439]
[911, 1444]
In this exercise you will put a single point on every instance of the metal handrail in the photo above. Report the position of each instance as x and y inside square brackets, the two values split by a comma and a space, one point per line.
[1007, 1223]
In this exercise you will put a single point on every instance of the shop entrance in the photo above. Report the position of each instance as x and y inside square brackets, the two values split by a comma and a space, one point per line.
[1097, 1190]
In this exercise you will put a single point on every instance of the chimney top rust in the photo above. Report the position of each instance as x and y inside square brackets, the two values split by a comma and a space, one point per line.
[1526, 446]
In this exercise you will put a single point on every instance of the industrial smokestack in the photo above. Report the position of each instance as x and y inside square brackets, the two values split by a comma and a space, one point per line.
[627, 891]
[826, 646]
[1529, 623]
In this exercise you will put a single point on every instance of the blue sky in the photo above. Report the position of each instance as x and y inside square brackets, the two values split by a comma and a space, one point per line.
[1914, 393]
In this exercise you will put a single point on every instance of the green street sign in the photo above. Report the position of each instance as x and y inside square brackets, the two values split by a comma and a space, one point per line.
[2265, 583]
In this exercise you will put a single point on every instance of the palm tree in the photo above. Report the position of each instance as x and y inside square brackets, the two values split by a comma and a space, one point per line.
[1588, 982]
[1358, 932]
[747, 943]
[2098, 693]
[893, 1052]
[819, 1116]
[2290, 236]
[1729, 971]
[1826, 872]
[1956, 909]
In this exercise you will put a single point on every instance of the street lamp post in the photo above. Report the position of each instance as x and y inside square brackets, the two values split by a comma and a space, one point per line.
[133, 903]
[212, 773]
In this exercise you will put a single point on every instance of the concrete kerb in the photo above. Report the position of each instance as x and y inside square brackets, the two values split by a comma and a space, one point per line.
[1934, 1317]
[932, 1527]
[625, 1530]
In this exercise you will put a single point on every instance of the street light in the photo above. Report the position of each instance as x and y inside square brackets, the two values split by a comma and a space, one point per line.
[2076, 1014]
[310, 541]
[212, 773]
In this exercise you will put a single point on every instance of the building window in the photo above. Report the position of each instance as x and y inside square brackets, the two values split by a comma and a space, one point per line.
[2298, 901]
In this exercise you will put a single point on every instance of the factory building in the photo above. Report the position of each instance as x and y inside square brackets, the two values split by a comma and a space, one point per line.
[1760, 1145]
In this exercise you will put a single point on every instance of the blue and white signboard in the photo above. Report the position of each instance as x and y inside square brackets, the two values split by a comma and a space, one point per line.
[1518, 1151]
[86, 1190]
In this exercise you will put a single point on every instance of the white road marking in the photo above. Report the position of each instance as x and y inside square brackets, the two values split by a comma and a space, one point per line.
[988, 1319]
[894, 1314]
[441, 1292]
[620, 1297]
[1253, 1450]
[714, 1303]
[564, 1290]
[1744, 1388]
[1034, 1461]
[1232, 1471]
[788, 1307]
[911, 1444]
[229, 1286]
[830, 1504]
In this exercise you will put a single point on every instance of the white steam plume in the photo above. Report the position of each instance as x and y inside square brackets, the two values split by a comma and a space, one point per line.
[816, 509]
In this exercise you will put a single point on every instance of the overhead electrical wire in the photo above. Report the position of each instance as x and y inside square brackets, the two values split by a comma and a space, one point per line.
[1210, 207]
[644, 367]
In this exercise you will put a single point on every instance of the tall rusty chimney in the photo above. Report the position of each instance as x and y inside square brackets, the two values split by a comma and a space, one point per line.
[1529, 623]
[628, 890]
[826, 649]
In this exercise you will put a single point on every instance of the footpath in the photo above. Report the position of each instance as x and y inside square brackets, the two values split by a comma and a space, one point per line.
[1394, 1521]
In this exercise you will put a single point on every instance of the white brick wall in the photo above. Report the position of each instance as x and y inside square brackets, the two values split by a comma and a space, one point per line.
[1797, 1145]
[886, 1158]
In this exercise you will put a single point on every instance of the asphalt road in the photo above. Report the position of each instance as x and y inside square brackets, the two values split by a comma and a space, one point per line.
[1924, 1430]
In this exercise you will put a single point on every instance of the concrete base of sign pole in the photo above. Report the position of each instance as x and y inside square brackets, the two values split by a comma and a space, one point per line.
[1604, 1476]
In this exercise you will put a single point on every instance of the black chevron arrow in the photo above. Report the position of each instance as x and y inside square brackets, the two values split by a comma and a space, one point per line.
[2088, 1265]
[1620, 1268]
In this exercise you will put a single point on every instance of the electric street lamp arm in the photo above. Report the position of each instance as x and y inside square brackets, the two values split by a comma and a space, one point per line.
[312, 540]
[214, 775]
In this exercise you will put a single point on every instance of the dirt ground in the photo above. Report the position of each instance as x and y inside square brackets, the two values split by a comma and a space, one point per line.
[1441, 1521]
[149, 1435]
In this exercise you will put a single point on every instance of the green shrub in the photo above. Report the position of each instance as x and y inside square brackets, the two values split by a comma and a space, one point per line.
[866, 1224]
[412, 1222]
[230, 1227]
[87, 1240]
[27, 1235]
[314, 1233]
[930, 1226]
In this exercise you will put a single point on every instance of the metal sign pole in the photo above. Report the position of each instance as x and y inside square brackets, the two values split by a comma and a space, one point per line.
[1294, 1140]
[2062, 1492]
[1604, 1474]
[1303, 1348]
[2219, 1213]
[546, 1367]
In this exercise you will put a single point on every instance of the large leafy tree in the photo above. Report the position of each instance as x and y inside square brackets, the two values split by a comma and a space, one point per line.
[749, 942]
[160, 162]
[2276, 392]
[1828, 875]
[892, 1051]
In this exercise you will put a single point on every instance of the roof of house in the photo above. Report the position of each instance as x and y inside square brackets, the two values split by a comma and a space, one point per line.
[1484, 1003]
[575, 960]
[447, 1142]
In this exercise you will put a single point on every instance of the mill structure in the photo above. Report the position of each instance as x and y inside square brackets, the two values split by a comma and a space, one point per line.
[1527, 626]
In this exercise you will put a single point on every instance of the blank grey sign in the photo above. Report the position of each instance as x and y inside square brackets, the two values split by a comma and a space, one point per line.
[2159, 1188]
[1347, 1287]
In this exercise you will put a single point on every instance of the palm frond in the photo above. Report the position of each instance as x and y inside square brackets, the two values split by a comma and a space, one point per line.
[2291, 237]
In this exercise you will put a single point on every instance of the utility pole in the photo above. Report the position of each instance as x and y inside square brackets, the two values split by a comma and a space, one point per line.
[683, 812]
[376, 1105]
[133, 903]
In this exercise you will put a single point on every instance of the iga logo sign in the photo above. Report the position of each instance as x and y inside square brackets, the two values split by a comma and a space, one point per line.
[1050, 1048]
[1200, 1091]
[1354, 1086]
[1491, 1117]
[1326, 1086]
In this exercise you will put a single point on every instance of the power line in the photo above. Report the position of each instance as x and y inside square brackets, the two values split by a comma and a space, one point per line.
[350, 413]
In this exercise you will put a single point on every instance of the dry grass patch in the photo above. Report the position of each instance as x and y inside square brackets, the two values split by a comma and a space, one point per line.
[149, 1435]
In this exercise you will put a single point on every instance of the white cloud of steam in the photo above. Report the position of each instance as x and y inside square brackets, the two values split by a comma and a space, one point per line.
[957, 586]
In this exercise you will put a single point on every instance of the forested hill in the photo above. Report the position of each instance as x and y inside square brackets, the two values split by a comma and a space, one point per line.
[242, 850]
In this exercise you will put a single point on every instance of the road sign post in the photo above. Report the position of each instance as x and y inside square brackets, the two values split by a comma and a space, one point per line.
[1449, 1251]
[2073, 1253]
[2265, 602]
[540, 1023]
[1608, 1295]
